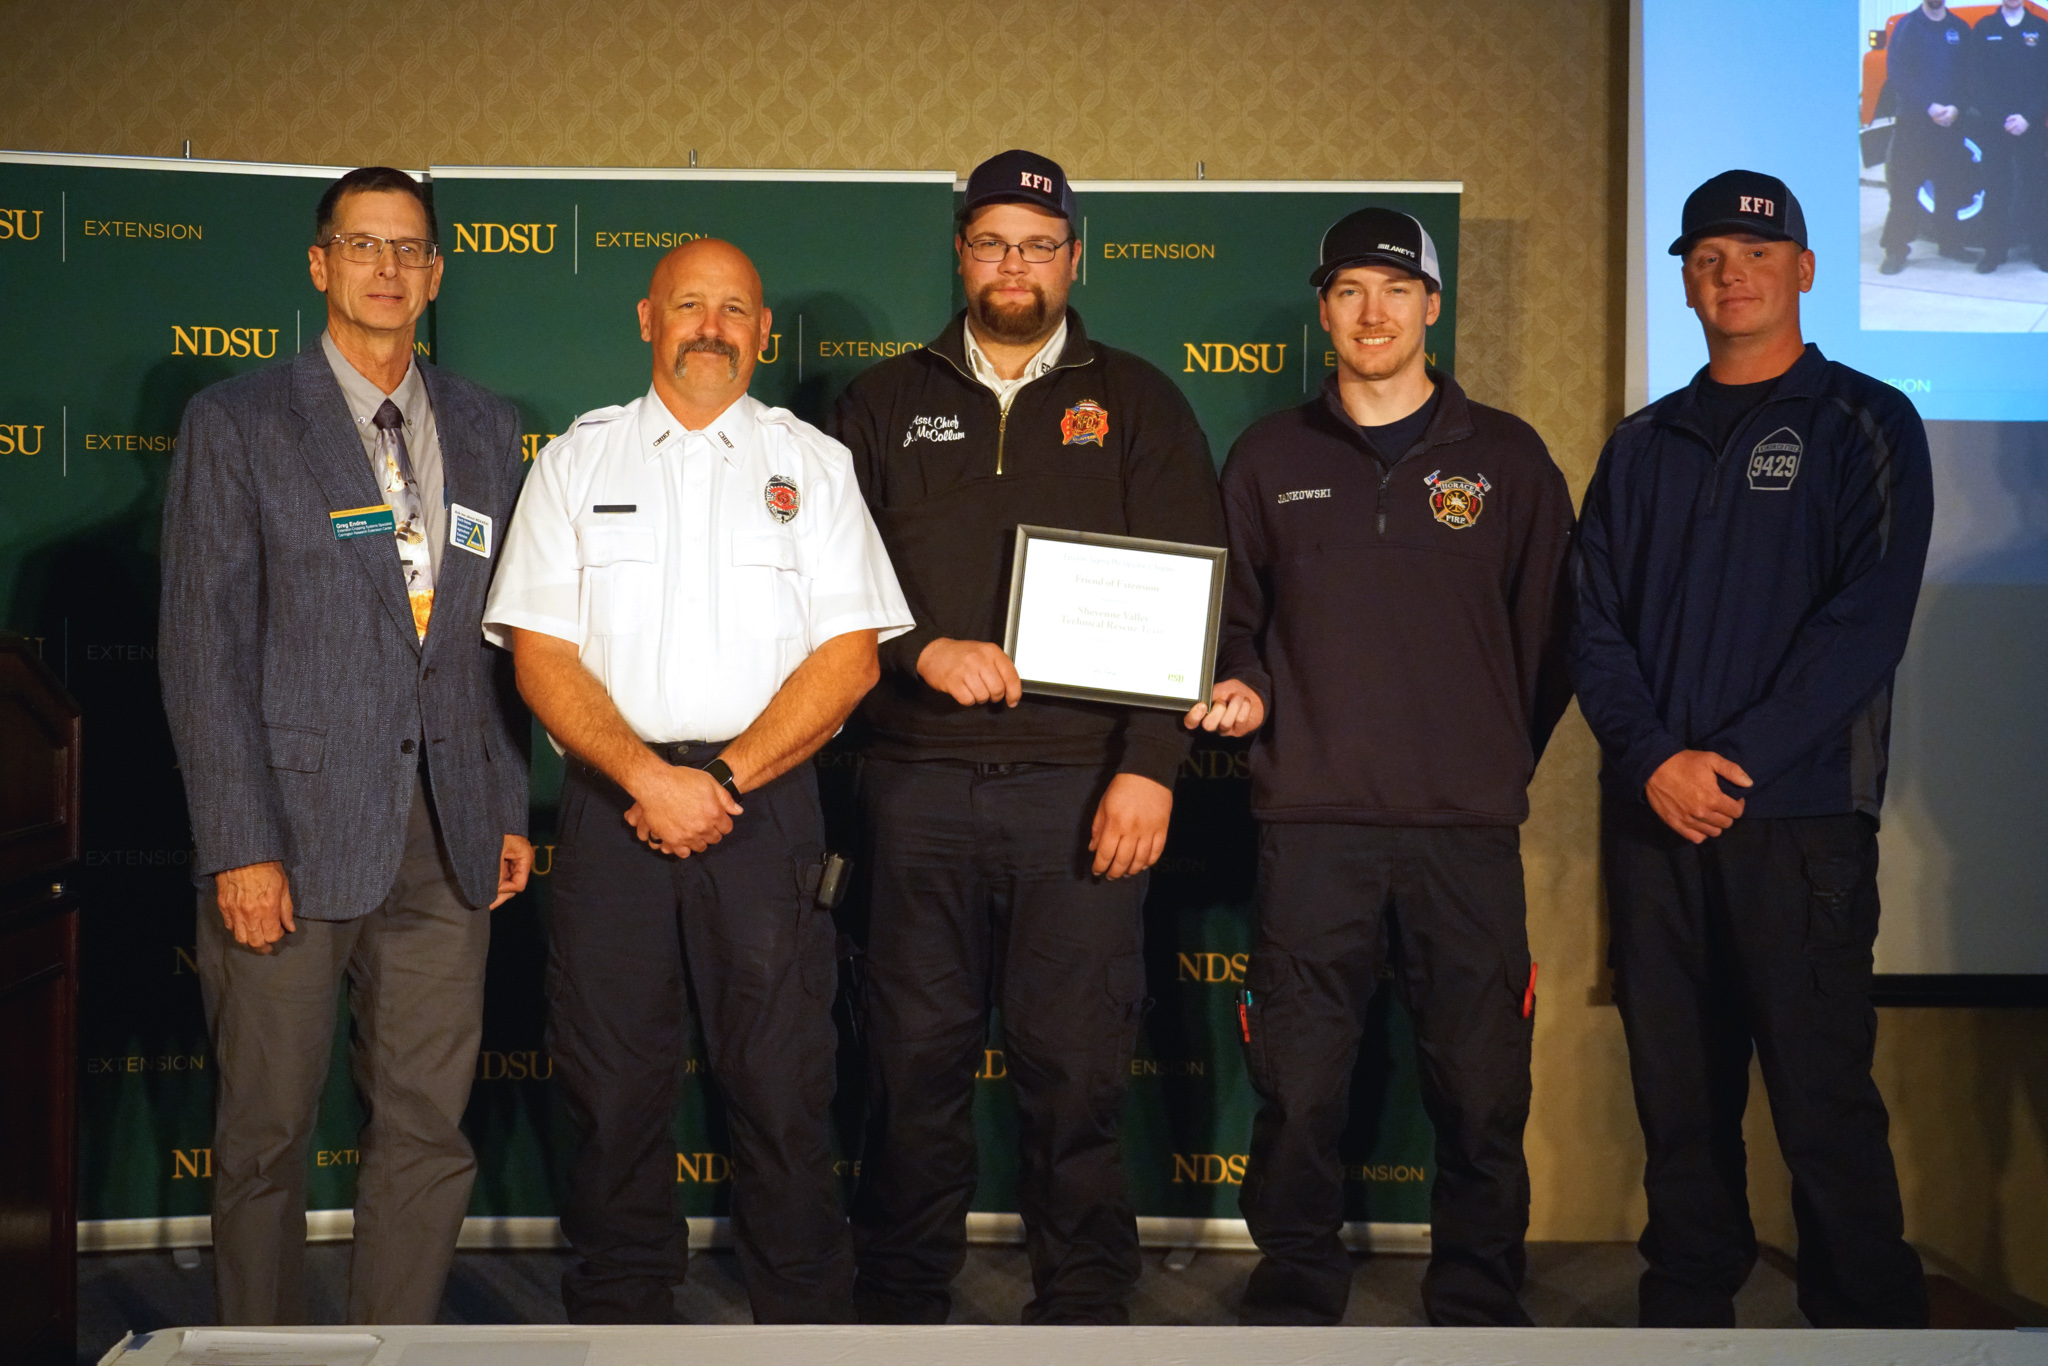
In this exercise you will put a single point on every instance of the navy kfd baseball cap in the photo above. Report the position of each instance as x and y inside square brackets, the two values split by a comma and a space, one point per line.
[1378, 237]
[1020, 177]
[1741, 202]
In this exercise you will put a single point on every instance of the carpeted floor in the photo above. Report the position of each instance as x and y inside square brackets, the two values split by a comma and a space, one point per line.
[1585, 1285]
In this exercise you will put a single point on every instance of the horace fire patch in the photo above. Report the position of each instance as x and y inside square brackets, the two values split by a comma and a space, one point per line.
[1774, 461]
[1086, 422]
[1456, 501]
[781, 497]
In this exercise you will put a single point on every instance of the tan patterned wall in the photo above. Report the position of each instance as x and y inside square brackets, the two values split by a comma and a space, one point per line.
[1520, 101]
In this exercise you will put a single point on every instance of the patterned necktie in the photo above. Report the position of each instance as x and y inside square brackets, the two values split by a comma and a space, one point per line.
[403, 491]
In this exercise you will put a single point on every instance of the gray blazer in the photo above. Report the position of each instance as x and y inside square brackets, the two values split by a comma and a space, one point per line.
[299, 695]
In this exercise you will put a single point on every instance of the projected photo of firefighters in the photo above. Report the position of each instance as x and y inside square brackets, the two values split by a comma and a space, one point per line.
[1954, 186]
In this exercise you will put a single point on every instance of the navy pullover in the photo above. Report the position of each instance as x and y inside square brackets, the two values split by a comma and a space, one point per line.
[1923, 63]
[1755, 600]
[1400, 613]
[2008, 72]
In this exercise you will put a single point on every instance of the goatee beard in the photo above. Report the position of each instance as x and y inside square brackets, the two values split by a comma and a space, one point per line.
[716, 346]
[1014, 324]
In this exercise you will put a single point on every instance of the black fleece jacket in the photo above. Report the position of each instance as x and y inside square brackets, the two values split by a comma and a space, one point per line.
[1404, 622]
[949, 477]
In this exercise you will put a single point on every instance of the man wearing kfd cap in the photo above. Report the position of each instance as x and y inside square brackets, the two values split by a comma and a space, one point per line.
[1749, 557]
[1007, 837]
[1393, 632]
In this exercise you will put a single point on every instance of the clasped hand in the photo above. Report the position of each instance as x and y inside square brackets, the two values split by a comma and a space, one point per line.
[1686, 793]
[680, 811]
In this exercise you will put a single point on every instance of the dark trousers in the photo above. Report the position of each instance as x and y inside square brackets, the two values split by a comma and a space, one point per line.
[415, 971]
[1444, 908]
[634, 937]
[1922, 151]
[980, 896]
[1759, 938]
[2014, 169]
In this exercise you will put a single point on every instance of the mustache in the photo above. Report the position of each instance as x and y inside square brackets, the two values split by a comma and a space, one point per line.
[717, 346]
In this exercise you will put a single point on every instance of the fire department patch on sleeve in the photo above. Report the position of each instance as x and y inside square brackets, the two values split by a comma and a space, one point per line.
[781, 497]
[1085, 422]
[1456, 501]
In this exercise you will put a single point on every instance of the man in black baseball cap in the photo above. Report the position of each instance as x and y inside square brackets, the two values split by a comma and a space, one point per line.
[1377, 236]
[1007, 836]
[1747, 565]
[1395, 600]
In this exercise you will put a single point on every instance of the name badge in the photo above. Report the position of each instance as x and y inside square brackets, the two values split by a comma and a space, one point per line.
[469, 530]
[353, 522]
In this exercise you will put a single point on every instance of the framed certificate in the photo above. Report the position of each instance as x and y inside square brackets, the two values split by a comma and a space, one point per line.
[1114, 618]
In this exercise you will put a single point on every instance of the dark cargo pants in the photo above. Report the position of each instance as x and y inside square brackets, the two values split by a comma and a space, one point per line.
[980, 897]
[1444, 908]
[1759, 938]
[634, 938]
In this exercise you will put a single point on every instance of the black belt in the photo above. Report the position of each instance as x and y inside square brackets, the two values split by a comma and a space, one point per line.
[690, 753]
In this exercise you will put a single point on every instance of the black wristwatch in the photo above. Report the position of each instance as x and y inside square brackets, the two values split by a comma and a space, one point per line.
[721, 773]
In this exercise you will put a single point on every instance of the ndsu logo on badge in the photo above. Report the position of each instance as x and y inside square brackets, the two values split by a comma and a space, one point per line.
[1774, 461]
[1085, 422]
[1456, 501]
[781, 497]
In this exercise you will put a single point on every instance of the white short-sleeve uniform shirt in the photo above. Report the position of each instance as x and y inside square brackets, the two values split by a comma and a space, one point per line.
[694, 570]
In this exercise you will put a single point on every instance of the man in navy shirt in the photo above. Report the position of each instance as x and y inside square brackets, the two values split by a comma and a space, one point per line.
[1924, 68]
[2007, 87]
[1748, 561]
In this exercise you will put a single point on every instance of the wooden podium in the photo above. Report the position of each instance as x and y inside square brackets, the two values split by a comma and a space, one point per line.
[39, 846]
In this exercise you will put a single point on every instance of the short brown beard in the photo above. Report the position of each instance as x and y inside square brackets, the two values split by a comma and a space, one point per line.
[717, 346]
[1012, 324]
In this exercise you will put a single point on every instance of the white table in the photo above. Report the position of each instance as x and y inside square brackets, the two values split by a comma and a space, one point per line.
[729, 1345]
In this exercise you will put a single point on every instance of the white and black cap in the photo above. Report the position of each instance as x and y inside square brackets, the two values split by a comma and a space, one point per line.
[1378, 237]
[1741, 203]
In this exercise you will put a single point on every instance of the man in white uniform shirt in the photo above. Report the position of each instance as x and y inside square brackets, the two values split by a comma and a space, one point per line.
[693, 593]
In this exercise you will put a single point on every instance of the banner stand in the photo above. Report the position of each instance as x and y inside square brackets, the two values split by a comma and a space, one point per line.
[501, 1233]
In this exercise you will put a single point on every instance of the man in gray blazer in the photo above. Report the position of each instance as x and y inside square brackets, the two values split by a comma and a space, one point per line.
[354, 758]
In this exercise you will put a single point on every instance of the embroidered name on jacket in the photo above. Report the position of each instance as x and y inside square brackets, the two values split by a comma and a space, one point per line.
[1774, 461]
[924, 428]
[1296, 495]
[1455, 500]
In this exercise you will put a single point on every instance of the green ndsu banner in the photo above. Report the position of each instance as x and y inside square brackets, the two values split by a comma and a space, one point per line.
[128, 284]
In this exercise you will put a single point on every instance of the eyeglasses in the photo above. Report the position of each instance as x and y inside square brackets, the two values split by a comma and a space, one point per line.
[366, 248]
[1038, 251]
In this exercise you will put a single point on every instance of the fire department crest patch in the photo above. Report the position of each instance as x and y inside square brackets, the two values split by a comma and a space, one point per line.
[1456, 501]
[1085, 422]
[781, 497]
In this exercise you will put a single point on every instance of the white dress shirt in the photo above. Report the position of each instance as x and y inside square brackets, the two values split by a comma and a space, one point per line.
[694, 570]
[1006, 389]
